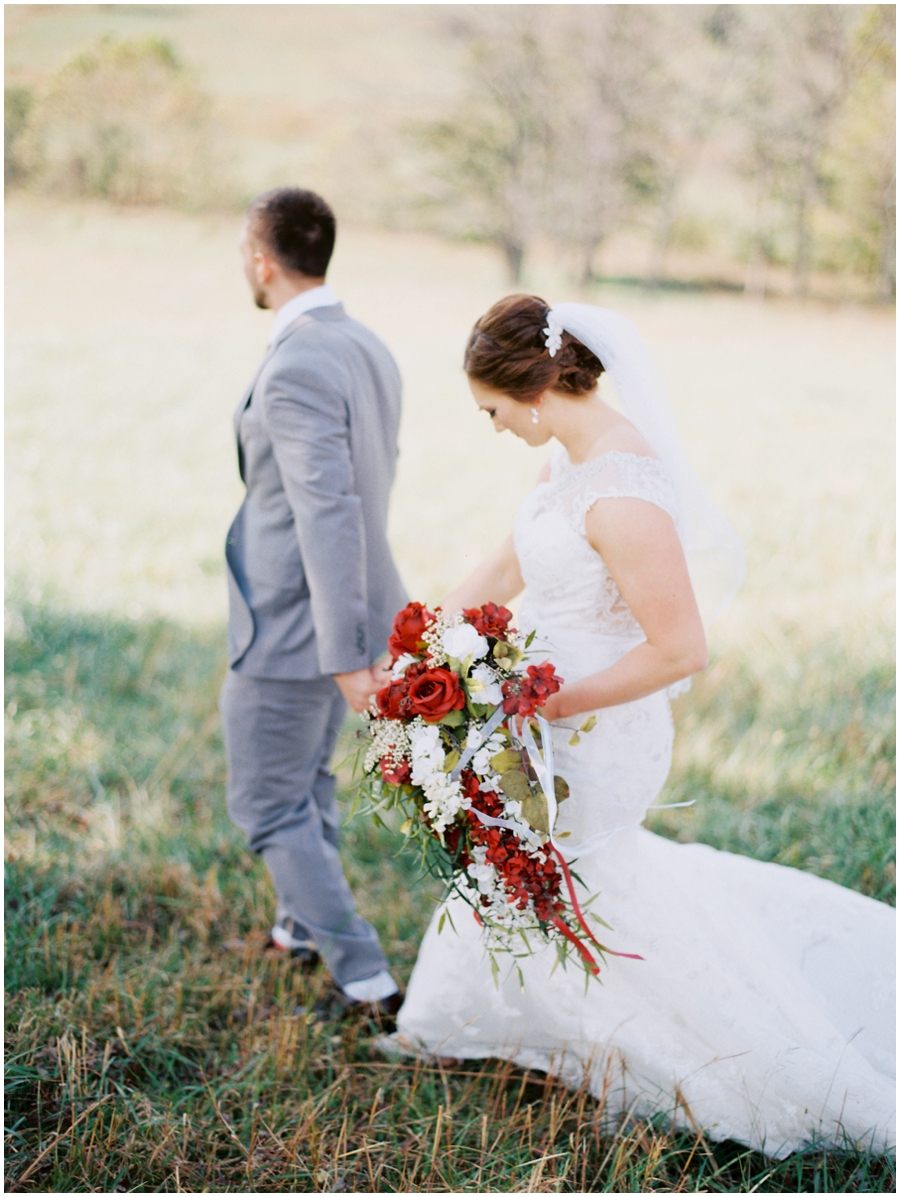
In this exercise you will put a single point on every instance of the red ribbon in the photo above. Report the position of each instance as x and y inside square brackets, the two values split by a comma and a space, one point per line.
[570, 935]
[585, 928]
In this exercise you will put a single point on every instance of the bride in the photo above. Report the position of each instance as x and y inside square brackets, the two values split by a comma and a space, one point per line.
[762, 1009]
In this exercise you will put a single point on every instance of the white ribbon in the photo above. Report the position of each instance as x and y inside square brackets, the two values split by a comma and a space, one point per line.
[543, 767]
[521, 832]
[484, 735]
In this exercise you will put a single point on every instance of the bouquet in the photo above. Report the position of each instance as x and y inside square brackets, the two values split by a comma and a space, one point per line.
[450, 741]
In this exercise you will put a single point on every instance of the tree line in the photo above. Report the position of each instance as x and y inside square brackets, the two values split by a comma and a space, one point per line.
[581, 121]
[763, 133]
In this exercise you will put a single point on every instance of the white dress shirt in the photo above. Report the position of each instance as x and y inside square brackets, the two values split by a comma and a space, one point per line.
[316, 297]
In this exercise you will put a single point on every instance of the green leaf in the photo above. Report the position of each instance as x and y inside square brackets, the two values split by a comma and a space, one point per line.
[598, 919]
[508, 759]
[560, 788]
[495, 972]
[454, 719]
[535, 812]
[451, 760]
[441, 922]
[514, 784]
[530, 638]
[574, 739]
[589, 724]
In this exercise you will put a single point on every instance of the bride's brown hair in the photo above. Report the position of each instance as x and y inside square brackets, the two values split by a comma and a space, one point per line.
[507, 351]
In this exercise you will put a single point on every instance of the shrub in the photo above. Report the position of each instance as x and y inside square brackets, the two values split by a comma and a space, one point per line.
[123, 121]
[17, 103]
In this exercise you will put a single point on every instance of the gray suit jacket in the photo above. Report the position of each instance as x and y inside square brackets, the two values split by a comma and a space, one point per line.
[312, 586]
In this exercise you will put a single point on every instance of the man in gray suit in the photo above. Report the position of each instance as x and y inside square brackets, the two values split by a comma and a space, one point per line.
[312, 585]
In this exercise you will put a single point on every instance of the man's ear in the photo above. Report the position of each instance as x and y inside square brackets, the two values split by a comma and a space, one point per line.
[265, 267]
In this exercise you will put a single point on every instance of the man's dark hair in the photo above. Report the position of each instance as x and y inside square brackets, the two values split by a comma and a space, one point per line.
[297, 226]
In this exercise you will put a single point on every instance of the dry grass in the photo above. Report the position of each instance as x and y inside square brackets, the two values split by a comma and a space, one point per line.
[130, 339]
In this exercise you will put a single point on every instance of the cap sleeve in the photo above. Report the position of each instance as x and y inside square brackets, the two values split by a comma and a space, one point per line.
[618, 475]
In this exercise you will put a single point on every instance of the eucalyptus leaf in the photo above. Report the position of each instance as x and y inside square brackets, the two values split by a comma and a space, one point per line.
[515, 785]
[574, 739]
[535, 812]
[451, 761]
[589, 724]
[508, 759]
[560, 788]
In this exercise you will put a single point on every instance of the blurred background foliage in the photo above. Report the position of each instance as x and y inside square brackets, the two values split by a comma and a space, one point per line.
[746, 147]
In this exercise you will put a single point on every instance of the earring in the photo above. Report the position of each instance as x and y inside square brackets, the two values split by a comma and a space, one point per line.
[534, 415]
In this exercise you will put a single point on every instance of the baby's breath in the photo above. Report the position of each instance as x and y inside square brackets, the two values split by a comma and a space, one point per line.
[434, 633]
[389, 739]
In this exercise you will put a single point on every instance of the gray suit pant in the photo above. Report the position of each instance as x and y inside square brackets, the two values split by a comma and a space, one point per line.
[279, 738]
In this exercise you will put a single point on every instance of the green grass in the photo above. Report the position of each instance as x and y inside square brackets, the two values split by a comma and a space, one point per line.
[152, 1046]
[129, 890]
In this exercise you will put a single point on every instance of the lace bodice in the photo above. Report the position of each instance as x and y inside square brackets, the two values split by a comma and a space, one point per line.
[569, 591]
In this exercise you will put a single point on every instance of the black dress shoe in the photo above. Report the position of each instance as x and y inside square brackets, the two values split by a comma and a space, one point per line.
[382, 1015]
[284, 939]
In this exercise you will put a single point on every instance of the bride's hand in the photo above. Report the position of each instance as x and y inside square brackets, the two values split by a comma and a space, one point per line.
[552, 708]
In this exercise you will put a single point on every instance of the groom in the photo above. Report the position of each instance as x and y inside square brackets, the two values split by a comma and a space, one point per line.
[312, 585]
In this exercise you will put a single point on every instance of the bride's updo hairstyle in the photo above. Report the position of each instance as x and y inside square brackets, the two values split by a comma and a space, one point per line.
[507, 351]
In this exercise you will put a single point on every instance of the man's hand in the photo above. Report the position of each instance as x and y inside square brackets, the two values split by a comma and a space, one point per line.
[381, 671]
[357, 688]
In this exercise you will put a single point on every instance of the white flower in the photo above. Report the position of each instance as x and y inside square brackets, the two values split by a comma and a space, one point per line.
[401, 665]
[483, 874]
[483, 686]
[481, 761]
[463, 641]
[474, 738]
[443, 799]
[426, 751]
[553, 335]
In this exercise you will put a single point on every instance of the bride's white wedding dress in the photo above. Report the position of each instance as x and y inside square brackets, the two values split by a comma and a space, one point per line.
[763, 1008]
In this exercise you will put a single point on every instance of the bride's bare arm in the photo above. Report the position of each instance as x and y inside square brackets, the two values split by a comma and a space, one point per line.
[496, 580]
[638, 542]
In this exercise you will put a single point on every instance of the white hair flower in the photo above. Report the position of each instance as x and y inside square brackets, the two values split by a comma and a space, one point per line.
[553, 333]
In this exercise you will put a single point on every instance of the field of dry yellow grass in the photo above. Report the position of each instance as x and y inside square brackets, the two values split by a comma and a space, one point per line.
[131, 336]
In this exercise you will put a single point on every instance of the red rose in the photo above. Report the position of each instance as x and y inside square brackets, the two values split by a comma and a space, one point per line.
[409, 624]
[434, 693]
[393, 699]
[490, 620]
[395, 775]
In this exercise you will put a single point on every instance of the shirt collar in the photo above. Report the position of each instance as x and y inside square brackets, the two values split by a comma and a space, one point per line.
[316, 297]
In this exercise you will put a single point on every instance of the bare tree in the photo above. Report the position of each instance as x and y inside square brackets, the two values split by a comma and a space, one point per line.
[495, 149]
[801, 63]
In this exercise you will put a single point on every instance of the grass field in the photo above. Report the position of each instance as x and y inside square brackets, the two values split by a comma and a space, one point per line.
[150, 1046]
